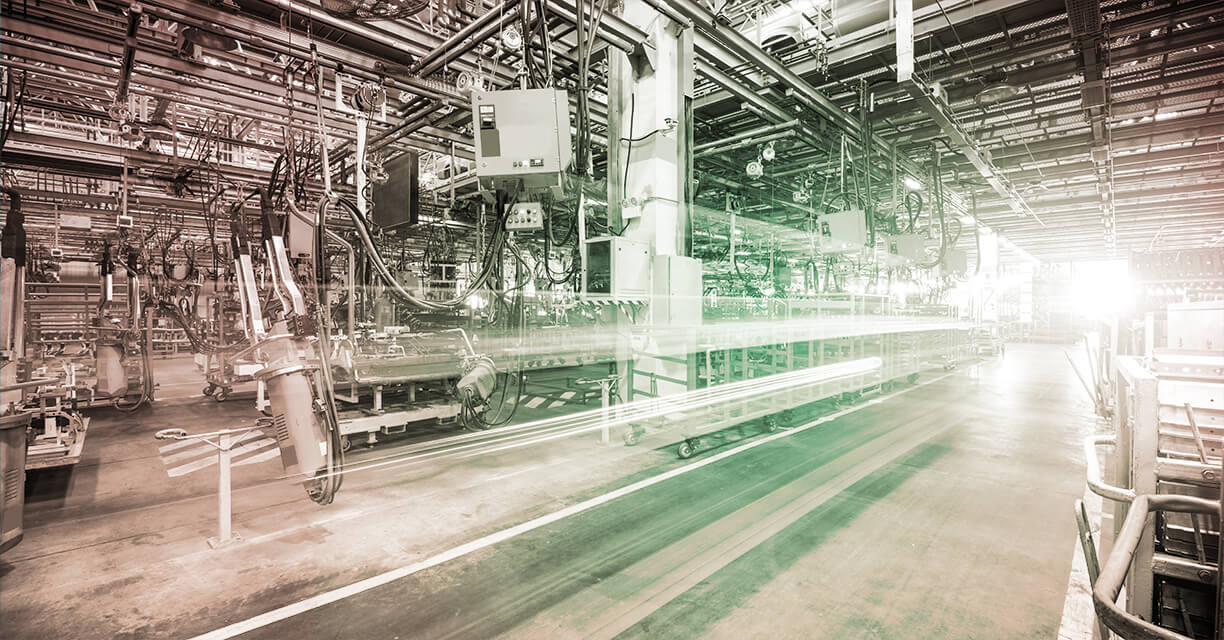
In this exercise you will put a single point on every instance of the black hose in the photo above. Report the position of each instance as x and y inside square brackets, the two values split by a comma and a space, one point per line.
[380, 267]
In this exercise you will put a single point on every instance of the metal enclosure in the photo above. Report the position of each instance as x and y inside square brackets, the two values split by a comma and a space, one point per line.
[677, 291]
[910, 247]
[843, 231]
[616, 268]
[522, 134]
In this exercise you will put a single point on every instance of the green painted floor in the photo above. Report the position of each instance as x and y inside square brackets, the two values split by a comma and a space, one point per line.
[960, 528]
[942, 510]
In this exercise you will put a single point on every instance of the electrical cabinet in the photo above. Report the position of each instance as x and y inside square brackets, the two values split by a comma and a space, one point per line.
[397, 200]
[522, 137]
[909, 247]
[616, 269]
[843, 231]
[677, 286]
[956, 261]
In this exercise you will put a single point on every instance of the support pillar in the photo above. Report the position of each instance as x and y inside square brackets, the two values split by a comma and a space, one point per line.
[650, 192]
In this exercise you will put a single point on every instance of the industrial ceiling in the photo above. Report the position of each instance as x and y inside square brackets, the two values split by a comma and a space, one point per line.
[1103, 120]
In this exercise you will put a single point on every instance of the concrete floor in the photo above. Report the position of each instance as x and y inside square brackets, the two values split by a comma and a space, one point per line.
[941, 511]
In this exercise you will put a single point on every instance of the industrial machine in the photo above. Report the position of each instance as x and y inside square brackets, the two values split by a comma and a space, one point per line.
[423, 288]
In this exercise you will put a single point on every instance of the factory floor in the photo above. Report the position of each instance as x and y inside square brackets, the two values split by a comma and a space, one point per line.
[940, 510]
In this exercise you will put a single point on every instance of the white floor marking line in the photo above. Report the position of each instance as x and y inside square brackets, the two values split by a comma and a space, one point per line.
[536, 401]
[562, 401]
[335, 595]
[182, 470]
[176, 445]
[259, 457]
[196, 465]
[203, 448]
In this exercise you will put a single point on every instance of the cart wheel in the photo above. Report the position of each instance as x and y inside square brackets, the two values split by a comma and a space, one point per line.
[685, 450]
[210, 389]
[222, 394]
[771, 424]
[887, 387]
[632, 436]
[346, 443]
[912, 378]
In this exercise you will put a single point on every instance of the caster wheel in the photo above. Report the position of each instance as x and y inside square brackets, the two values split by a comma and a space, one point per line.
[886, 387]
[912, 378]
[771, 424]
[209, 389]
[685, 450]
[222, 395]
[632, 437]
[346, 443]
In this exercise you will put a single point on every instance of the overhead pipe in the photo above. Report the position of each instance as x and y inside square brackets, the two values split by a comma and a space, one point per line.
[749, 51]
[796, 86]
[747, 135]
[454, 46]
[851, 16]
[720, 147]
[612, 29]
[129, 52]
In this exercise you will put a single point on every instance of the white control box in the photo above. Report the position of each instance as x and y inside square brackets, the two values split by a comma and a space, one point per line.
[522, 136]
[956, 262]
[616, 269]
[907, 247]
[525, 216]
[843, 231]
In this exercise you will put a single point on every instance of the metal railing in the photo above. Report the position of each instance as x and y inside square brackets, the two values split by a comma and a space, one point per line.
[1121, 561]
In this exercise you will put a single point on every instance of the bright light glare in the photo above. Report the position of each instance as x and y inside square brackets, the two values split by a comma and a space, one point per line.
[912, 184]
[1102, 288]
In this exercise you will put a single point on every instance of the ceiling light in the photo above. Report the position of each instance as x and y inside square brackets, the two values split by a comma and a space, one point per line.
[912, 183]
[754, 169]
[996, 92]
[208, 39]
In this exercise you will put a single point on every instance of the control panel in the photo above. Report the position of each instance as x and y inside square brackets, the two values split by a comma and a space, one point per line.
[525, 216]
[522, 136]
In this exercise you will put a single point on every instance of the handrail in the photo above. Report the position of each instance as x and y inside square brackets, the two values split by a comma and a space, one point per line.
[1109, 583]
[1093, 470]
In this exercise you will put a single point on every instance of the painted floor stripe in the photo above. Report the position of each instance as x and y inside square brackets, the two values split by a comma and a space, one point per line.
[203, 448]
[259, 457]
[568, 394]
[178, 444]
[182, 470]
[335, 595]
[558, 403]
[536, 401]
[204, 463]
